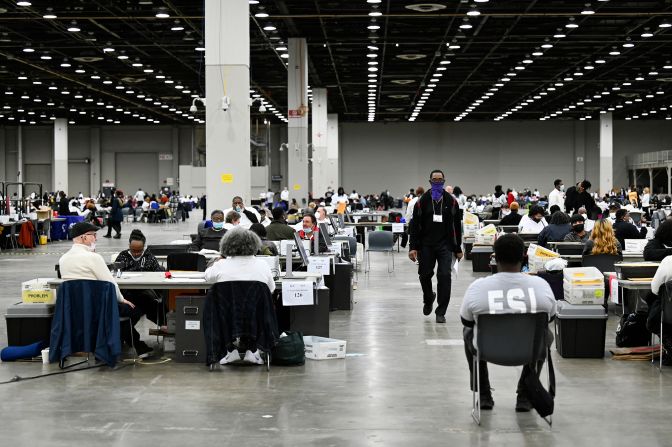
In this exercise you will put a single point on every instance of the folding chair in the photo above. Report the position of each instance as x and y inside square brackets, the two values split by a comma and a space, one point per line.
[508, 340]
[380, 241]
[665, 319]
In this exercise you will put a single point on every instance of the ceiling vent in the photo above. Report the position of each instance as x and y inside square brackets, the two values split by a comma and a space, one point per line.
[403, 81]
[130, 80]
[398, 96]
[426, 7]
[411, 56]
[87, 59]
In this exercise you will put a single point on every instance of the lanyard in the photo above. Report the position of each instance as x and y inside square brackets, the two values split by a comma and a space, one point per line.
[440, 203]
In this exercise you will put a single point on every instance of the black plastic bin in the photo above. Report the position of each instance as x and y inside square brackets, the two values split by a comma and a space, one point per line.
[480, 258]
[28, 323]
[580, 330]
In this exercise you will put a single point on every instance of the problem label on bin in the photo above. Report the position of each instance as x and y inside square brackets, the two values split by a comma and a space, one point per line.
[319, 264]
[192, 325]
[397, 228]
[297, 293]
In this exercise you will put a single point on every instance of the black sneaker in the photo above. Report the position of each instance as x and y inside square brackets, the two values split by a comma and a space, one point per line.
[523, 405]
[427, 308]
[108, 236]
[487, 402]
[143, 351]
[440, 319]
[118, 236]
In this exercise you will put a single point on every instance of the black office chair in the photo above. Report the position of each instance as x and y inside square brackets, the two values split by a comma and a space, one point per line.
[190, 262]
[570, 248]
[508, 340]
[665, 319]
[167, 249]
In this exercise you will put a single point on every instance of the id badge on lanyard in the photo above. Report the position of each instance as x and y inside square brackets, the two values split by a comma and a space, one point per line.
[438, 218]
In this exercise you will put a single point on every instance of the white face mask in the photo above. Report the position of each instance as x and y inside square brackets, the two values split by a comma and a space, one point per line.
[562, 188]
[506, 213]
[92, 247]
[138, 258]
[585, 216]
[612, 215]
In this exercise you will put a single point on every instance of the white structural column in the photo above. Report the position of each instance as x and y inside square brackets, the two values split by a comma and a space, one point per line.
[333, 171]
[60, 174]
[320, 138]
[606, 153]
[297, 132]
[227, 80]
[94, 160]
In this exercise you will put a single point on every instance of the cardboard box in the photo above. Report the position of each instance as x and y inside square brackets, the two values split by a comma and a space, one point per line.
[486, 235]
[38, 291]
[321, 348]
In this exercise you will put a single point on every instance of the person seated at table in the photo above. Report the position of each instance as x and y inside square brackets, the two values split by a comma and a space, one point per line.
[534, 222]
[624, 229]
[556, 230]
[308, 228]
[660, 246]
[613, 209]
[247, 216]
[231, 220]
[63, 204]
[268, 248]
[138, 259]
[578, 233]
[82, 262]
[278, 229]
[510, 214]
[507, 292]
[589, 223]
[238, 248]
[603, 240]
[209, 238]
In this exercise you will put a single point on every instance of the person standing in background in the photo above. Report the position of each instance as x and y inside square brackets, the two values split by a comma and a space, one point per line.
[646, 201]
[284, 198]
[202, 203]
[436, 235]
[116, 216]
[557, 196]
[139, 195]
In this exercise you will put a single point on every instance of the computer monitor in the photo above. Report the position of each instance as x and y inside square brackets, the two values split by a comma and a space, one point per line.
[324, 234]
[334, 223]
[341, 221]
[301, 249]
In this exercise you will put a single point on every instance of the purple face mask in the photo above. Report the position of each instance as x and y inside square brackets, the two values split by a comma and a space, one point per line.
[437, 190]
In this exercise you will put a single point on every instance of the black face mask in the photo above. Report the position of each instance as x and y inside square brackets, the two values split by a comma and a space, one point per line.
[537, 220]
[578, 228]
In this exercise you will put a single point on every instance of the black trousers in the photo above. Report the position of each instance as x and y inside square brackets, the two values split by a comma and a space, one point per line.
[484, 379]
[146, 304]
[441, 256]
[113, 224]
[129, 335]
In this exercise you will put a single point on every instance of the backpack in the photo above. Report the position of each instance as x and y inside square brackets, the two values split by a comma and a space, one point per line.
[631, 331]
[289, 350]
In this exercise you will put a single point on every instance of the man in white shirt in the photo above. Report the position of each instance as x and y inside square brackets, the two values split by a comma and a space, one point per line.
[354, 195]
[81, 262]
[557, 196]
[507, 292]
[139, 195]
[533, 222]
[248, 216]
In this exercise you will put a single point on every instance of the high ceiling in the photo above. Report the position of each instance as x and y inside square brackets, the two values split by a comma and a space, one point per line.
[518, 59]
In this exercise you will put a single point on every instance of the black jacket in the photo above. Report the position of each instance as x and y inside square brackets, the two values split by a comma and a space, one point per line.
[511, 219]
[655, 251]
[423, 218]
[553, 233]
[238, 309]
[64, 207]
[625, 230]
[207, 238]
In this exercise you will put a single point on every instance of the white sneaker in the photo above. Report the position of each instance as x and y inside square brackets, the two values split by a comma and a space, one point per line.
[231, 357]
[253, 357]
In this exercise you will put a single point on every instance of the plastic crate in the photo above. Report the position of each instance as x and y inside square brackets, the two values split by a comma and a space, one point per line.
[321, 348]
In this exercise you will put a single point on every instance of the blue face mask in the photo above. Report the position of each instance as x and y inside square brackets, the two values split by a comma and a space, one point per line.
[218, 225]
[238, 208]
[437, 190]
[308, 230]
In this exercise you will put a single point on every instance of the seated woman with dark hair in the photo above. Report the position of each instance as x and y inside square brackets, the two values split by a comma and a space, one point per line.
[268, 248]
[150, 302]
[556, 230]
[238, 248]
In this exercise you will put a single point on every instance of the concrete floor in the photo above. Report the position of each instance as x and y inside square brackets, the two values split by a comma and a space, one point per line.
[396, 388]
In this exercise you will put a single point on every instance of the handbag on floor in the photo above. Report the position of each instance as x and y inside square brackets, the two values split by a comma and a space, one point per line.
[289, 350]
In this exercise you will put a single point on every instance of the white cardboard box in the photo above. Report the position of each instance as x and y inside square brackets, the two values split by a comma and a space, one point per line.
[321, 348]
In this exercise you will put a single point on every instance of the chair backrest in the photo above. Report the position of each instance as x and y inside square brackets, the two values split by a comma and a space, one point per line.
[381, 240]
[511, 339]
[191, 262]
[167, 249]
[603, 262]
[666, 303]
[570, 248]
[200, 227]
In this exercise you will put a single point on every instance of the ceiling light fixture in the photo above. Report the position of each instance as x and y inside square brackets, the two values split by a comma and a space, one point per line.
[74, 28]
